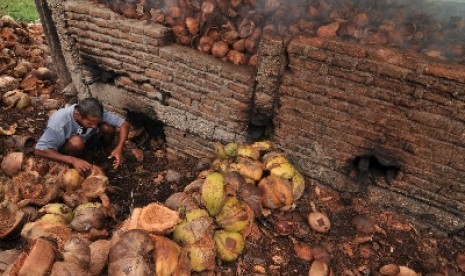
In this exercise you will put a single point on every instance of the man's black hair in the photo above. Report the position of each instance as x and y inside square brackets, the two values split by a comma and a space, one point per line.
[90, 107]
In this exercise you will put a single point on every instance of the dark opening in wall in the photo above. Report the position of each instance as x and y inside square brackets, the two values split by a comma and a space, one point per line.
[151, 131]
[370, 168]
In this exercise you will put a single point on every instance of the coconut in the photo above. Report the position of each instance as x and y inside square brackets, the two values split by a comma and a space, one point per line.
[56, 232]
[8, 83]
[319, 268]
[11, 97]
[12, 163]
[197, 225]
[169, 257]
[53, 218]
[319, 222]
[231, 149]
[285, 170]
[77, 251]
[202, 254]
[39, 260]
[181, 202]
[71, 179]
[157, 218]
[277, 192]
[99, 251]
[252, 195]
[389, 270]
[213, 194]
[12, 221]
[128, 252]
[249, 168]
[248, 151]
[23, 102]
[58, 209]
[87, 216]
[229, 245]
[220, 49]
[262, 146]
[274, 158]
[234, 216]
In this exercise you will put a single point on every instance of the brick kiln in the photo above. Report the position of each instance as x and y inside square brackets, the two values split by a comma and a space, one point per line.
[358, 117]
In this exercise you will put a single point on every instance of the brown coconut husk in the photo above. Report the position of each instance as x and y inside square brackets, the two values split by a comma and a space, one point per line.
[12, 221]
[37, 261]
[157, 218]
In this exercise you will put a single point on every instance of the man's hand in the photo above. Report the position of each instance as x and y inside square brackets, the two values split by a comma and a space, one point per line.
[117, 153]
[81, 165]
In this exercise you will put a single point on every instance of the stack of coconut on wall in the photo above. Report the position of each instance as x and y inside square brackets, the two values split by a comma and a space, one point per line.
[24, 58]
[63, 216]
[231, 29]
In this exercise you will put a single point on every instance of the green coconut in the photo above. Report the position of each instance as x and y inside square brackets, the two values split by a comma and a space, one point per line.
[196, 225]
[285, 170]
[202, 254]
[248, 151]
[231, 149]
[212, 193]
[229, 245]
[234, 216]
[58, 209]
[54, 218]
[262, 146]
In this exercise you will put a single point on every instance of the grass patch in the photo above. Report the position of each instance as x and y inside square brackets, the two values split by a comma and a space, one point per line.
[24, 10]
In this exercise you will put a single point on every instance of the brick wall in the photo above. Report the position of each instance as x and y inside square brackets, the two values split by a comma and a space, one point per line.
[143, 62]
[332, 105]
[340, 101]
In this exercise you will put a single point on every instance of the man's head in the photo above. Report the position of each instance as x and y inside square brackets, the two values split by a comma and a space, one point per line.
[89, 112]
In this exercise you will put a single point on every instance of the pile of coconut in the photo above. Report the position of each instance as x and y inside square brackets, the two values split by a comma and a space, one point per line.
[63, 216]
[25, 77]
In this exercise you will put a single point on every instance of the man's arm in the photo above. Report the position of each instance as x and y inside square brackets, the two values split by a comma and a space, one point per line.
[122, 138]
[78, 163]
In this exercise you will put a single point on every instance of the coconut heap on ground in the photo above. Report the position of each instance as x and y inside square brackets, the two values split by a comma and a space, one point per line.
[63, 215]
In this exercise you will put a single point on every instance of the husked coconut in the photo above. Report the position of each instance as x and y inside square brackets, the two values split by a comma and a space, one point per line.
[12, 163]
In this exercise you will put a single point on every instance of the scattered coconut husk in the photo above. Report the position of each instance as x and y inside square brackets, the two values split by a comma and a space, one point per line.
[38, 261]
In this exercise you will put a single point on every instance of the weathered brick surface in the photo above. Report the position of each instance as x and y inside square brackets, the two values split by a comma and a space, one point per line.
[405, 110]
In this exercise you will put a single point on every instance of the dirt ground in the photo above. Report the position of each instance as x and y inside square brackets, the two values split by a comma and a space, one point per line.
[382, 237]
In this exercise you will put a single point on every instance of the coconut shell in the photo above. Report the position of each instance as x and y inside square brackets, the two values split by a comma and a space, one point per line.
[157, 218]
[202, 254]
[229, 245]
[169, 257]
[12, 221]
[12, 163]
[234, 215]
[213, 193]
[99, 251]
[181, 202]
[196, 226]
[71, 179]
[285, 170]
[319, 268]
[40, 258]
[88, 216]
[77, 251]
[389, 270]
[319, 222]
[276, 192]
[65, 268]
[249, 168]
[56, 232]
[130, 244]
